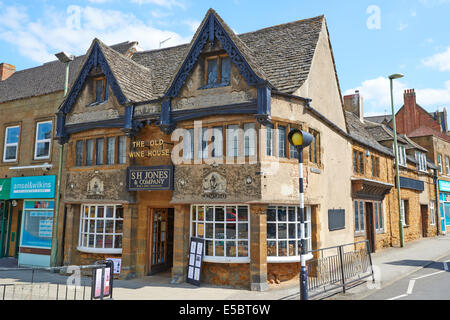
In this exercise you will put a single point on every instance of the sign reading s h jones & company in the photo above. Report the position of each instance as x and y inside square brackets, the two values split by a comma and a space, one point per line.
[158, 178]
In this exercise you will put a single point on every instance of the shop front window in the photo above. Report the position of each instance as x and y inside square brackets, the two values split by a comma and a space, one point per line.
[225, 230]
[283, 232]
[101, 228]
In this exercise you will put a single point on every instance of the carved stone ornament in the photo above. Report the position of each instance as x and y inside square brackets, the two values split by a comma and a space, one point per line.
[95, 187]
[214, 183]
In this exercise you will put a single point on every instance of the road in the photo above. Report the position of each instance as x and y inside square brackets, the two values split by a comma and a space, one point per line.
[429, 283]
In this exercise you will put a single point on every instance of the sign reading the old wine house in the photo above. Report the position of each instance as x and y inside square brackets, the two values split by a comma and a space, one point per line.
[158, 178]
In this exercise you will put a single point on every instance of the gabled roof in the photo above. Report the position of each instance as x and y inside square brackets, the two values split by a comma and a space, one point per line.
[412, 145]
[379, 119]
[427, 131]
[45, 79]
[130, 82]
[381, 132]
[283, 55]
[357, 130]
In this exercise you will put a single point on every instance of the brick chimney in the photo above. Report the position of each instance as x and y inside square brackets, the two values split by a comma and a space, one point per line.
[410, 121]
[354, 103]
[6, 71]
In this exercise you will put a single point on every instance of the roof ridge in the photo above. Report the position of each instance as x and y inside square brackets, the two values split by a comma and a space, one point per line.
[283, 24]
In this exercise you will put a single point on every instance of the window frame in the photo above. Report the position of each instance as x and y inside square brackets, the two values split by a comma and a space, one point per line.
[447, 166]
[440, 166]
[297, 236]
[15, 144]
[37, 141]
[197, 222]
[94, 88]
[404, 211]
[315, 144]
[113, 151]
[375, 166]
[219, 58]
[432, 213]
[81, 233]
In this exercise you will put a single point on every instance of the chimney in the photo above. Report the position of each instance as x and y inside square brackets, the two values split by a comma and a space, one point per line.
[411, 120]
[6, 71]
[354, 104]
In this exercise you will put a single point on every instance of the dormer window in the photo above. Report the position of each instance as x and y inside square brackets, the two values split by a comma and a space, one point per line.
[99, 90]
[401, 155]
[217, 71]
[421, 161]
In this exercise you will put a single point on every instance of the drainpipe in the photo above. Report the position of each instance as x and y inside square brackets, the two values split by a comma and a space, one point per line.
[54, 254]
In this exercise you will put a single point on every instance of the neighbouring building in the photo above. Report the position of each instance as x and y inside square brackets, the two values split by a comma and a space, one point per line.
[375, 199]
[191, 141]
[29, 158]
[430, 130]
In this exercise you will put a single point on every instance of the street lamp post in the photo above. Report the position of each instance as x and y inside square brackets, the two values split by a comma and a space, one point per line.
[400, 224]
[300, 140]
[65, 58]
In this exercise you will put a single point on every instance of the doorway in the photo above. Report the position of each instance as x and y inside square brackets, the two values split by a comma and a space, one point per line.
[424, 220]
[160, 240]
[370, 226]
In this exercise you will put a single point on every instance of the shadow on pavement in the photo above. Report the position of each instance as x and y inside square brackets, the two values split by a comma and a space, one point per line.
[427, 264]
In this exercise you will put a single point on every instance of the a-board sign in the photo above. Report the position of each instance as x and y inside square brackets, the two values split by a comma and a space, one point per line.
[195, 261]
[107, 282]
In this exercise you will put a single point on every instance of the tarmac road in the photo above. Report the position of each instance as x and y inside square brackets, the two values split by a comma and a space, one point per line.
[429, 283]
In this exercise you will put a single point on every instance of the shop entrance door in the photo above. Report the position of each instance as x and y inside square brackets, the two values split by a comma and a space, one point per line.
[424, 213]
[370, 226]
[160, 240]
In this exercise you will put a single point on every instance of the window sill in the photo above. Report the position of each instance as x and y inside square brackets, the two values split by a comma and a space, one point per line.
[226, 259]
[213, 86]
[292, 259]
[98, 250]
[94, 104]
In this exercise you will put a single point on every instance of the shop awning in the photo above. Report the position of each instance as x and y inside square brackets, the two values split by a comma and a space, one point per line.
[5, 187]
[370, 189]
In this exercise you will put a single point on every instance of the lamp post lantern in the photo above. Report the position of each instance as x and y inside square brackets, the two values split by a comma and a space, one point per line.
[300, 140]
[400, 223]
[65, 58]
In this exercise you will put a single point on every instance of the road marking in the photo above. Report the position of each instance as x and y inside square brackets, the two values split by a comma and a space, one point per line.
[410, 286]
[398, 297]
[428, 275]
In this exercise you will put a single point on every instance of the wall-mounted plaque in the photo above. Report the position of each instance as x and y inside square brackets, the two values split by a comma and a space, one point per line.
[150, 178]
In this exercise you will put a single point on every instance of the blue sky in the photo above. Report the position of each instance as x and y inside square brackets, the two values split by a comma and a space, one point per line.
[370, 39]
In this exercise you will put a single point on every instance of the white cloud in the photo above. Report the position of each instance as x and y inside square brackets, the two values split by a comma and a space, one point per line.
[192, 24]
[402, 26]
[376, 94]
[162, 3]
[40, 37]
[439, 60]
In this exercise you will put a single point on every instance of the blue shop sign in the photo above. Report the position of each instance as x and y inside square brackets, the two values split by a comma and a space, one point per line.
[150, 178]
[40, 187]
[444, 186]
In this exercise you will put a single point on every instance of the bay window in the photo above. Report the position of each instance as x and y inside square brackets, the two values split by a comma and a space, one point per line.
[101, 229]
[225, 229]
[283, 233]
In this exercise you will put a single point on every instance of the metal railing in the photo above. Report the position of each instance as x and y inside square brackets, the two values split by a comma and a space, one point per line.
[57, 283]
[339, 267]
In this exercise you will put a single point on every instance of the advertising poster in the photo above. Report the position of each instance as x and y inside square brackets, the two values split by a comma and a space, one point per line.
[195, 261]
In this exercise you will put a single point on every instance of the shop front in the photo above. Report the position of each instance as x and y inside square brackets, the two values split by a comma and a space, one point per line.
[5, 217]
[444, 199]
[33, 202]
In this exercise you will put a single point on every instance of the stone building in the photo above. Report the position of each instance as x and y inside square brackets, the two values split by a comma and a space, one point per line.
[430, 130]
[375, 198]
[29, 158]
[191, 141]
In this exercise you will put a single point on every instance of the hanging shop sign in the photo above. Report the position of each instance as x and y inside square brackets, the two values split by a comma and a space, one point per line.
[149, 149]
[150, 178]
[5, 186]
[444, 186]
[40, 187]
[195, 261]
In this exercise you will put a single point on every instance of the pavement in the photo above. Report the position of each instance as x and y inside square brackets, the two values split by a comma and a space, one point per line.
[390, 265]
